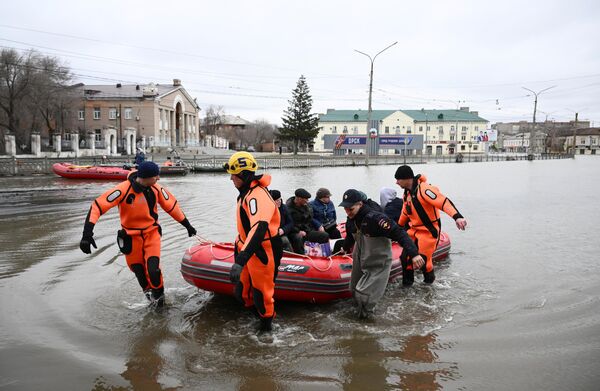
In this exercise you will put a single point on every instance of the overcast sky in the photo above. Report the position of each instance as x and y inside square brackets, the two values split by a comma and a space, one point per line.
[247, 55]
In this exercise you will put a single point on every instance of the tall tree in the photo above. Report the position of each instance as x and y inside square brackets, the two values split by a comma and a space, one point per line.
[33, 93]
[299, 125]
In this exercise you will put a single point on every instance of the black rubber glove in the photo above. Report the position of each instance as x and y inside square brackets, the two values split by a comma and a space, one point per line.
[235, 273]
[191, 230]
[85, 243]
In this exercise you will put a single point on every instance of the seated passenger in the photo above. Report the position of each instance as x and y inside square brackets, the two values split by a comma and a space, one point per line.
[286, 224]
[324, 213]
[304, 228]
[391, 204]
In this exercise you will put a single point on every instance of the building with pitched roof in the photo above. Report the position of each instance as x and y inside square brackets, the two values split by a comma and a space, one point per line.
[443, 131]
[150, 114]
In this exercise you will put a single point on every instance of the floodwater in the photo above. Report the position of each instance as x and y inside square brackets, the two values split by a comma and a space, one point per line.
[516, 306]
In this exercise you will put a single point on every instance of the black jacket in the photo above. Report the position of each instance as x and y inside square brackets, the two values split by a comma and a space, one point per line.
[377, 224]
[287, 224]
[393, 209]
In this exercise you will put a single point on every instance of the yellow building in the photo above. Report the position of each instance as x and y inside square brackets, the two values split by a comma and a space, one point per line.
[444, 131]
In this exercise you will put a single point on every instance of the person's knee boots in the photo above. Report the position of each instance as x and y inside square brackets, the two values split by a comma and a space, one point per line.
[408, 274]
[266, 324]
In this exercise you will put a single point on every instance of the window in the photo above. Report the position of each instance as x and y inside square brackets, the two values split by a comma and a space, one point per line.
[408, 129]
[463, 138]
[82, 115]
[397, 129]
[452, 129]
[452, 137]
[98, 135]
[475, 147]
[112, 113]
[334, 129]
[476, 128]
[96, 112]
[464, 128]
[428, 128]
[345, 129]
[420, 128]
[387, 130]
[462, 147]
[355, 130]
[67, 136]
[128, 113]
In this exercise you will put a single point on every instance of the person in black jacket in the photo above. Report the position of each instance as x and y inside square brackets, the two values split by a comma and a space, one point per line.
[372, 255]
[391, 204]
[287, 223]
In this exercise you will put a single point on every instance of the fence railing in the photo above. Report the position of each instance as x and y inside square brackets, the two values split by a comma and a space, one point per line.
[30, 166]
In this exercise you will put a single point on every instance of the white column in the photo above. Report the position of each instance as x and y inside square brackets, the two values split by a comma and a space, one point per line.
[57, 143]
[91, 137]
[10, 144]
[75, 143]
[36, 144]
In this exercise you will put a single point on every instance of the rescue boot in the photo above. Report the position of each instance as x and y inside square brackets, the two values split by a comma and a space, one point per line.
[408, 277]
[158, 297]
[428, 277]
[266, 324]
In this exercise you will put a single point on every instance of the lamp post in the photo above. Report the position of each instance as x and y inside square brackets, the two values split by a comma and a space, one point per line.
[532, 132]
[368, 145]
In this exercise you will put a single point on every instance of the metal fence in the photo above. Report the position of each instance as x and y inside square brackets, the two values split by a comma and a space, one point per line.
[32, 166]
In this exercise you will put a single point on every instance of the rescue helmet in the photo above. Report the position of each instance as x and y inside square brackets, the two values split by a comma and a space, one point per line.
[240, 161]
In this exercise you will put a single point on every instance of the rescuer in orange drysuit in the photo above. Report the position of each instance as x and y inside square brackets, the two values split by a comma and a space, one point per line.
[139, 238]
[258, 246]
[422, 201]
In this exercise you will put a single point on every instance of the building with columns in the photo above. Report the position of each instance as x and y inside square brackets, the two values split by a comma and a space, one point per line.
[445, 132]
[146, 114]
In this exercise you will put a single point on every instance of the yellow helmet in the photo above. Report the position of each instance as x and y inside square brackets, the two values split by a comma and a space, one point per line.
[240, 161]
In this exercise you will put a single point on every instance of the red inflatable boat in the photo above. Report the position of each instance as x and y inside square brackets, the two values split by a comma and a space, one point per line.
[300, 278]
[72, 171]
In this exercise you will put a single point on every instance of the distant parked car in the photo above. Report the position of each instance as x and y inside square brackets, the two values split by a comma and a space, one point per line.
[251, 149]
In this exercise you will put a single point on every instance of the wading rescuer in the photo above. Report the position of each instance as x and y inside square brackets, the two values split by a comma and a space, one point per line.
[372, 255]
[258, 246]
[139, 238]
[422, 201]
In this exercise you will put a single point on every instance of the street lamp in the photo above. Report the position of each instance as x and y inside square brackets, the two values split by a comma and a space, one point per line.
[532, 132]
[368, 146]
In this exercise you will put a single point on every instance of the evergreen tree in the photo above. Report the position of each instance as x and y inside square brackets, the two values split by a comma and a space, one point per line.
[299, 125]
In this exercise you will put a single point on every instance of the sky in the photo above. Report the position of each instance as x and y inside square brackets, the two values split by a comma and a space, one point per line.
[247, 56]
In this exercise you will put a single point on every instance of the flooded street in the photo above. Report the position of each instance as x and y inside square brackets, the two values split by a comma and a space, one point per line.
[516, 306]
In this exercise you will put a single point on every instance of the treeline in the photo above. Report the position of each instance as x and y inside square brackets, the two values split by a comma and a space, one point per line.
[35, 95]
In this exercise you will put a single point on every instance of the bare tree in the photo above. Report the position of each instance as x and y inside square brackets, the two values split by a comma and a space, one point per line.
[213, 119]
[259, 132]
[33, 93]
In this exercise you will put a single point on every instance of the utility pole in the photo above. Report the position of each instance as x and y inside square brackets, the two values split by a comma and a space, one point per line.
[532, 131]
[368, 142]
[575, 133]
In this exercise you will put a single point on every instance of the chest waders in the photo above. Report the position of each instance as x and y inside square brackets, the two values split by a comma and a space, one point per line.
[371, 265]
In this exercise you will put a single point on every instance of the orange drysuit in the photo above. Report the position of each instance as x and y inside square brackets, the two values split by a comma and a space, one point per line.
[420, 211]
[139, 239]
[258, 246]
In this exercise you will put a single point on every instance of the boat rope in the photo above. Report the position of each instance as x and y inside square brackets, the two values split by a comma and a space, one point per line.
[203, 241]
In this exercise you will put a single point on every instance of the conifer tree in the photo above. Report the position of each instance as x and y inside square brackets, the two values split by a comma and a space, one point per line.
[299, 125]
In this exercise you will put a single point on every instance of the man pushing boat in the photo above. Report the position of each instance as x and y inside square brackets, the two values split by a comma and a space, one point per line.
[258, 246]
